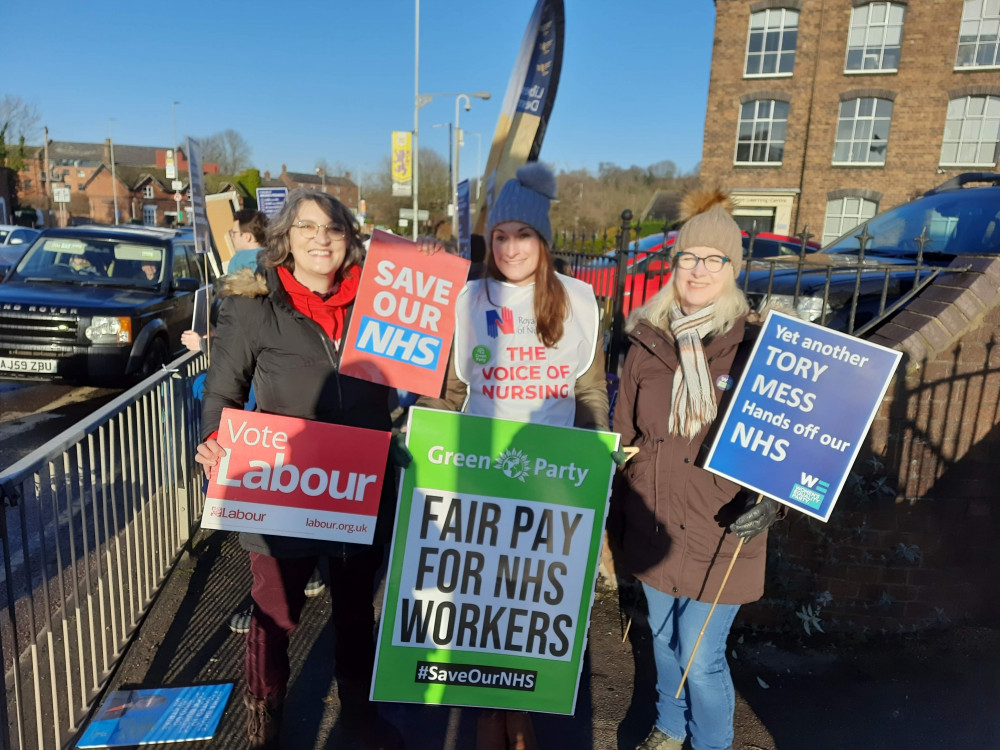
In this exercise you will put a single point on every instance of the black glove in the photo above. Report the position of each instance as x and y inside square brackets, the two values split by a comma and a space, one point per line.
[399, 454]
[755, 520]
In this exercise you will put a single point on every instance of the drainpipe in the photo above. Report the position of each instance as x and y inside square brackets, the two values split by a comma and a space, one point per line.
[812, 96]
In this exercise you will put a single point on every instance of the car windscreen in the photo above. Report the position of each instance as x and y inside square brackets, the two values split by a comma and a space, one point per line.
[111, 262]
[958, 222]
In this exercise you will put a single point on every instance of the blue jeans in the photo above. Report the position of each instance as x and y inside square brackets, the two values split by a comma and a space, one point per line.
[705, 709]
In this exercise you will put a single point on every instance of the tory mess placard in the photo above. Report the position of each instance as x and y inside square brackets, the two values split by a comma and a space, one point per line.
[404, 316]
[800, 413]
[493, 564]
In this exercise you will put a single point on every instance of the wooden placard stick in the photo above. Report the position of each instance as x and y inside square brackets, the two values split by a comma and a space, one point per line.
[718, 596]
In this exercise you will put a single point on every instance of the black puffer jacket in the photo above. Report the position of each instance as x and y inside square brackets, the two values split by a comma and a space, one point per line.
[294, 367]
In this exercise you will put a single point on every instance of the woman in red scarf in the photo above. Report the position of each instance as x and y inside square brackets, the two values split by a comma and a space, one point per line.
[282, 331]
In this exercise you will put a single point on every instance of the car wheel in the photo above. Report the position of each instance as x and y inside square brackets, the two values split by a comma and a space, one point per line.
[154, 358]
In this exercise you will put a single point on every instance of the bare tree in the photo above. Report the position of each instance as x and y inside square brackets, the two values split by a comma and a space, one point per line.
[18, 118]
[435, 191]
[336, 169]
[591, 204]
[18, 123]
[228, 149]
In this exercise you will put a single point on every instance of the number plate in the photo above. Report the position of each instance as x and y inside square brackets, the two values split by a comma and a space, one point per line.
[9, 364]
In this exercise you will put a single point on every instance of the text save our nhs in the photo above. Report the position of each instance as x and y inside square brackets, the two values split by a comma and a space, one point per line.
[398, 343]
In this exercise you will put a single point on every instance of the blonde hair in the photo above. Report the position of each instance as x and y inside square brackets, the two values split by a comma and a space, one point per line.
[730, 306]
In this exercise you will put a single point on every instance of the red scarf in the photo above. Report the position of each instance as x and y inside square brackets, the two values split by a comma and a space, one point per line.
[328, 313]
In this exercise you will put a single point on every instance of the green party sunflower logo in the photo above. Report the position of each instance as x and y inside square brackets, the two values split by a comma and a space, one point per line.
[513, 463]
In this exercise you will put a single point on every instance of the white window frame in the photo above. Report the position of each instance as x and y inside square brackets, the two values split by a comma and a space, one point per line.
[147, 192]
[862, 24]
[861, 211]
[980, 18]
[980, 129]
[862, 131]
[781, 20]
[756, 120]
[149, 211]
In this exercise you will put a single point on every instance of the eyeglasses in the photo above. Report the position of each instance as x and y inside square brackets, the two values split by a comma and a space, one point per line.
[688, 261]
[310, 229]
[233, 233]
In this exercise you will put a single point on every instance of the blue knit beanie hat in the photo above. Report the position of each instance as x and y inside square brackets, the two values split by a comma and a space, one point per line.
[526, 199]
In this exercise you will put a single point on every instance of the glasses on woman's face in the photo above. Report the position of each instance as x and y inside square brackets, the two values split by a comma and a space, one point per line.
[688, 261]
[310, 229]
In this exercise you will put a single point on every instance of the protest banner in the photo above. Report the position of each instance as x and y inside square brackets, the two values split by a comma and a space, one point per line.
[493, 563]
[295, 477]
[800, 413]
[153, 716]
[404, 316]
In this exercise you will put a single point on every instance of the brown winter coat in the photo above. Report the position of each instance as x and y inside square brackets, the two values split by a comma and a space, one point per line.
[668, 514]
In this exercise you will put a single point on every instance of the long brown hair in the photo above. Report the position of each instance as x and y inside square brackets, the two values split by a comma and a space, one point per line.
[551, 305]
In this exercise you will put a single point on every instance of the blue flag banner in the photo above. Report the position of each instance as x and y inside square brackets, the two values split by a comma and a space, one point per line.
[800, 413]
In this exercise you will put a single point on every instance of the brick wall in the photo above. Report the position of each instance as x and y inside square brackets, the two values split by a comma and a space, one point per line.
[911, 542]
[921, 89]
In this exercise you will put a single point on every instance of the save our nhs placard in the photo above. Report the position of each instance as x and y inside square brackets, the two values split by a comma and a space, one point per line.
[404, 316]
[493, 563]
[800, 413]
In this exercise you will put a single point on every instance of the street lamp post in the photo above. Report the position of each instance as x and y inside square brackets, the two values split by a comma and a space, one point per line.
[177, 161]
[451, 163]
[422, 100]
[416, 113]
[322, 175]
[173, 109]
[479, 159]
[458, 144]
[454, 175]
[114, 179]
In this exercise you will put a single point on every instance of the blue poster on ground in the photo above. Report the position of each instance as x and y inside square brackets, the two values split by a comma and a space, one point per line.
[800, 413]
[156, 715]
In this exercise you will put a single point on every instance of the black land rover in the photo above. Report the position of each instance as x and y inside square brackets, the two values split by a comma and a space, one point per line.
[98, 305]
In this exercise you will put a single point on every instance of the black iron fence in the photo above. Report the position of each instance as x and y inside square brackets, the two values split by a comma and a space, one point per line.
[853, 293]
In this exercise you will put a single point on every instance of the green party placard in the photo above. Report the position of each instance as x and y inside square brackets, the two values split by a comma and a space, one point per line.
[493, 563]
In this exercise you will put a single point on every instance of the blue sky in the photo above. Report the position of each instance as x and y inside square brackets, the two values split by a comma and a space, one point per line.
[308, 80]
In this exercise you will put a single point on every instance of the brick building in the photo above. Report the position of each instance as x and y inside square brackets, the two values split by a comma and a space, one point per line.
[142, 190]
[341, 188]
[823, 112]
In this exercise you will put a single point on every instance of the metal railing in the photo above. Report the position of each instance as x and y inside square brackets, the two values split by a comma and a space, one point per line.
[92, 523]
[850, 294]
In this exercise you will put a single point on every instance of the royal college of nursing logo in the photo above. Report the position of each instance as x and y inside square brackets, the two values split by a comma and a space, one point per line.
[499, 321]
[513, 463]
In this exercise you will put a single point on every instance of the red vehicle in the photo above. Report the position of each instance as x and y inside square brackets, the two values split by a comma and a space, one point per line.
[648, 266]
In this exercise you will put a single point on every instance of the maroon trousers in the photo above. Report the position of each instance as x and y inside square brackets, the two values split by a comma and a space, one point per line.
[278, 597]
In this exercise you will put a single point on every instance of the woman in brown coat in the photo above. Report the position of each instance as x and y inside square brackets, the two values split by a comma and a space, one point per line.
[688, 345]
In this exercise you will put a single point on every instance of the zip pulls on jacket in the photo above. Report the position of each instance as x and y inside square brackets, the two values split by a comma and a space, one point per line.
[332, 348]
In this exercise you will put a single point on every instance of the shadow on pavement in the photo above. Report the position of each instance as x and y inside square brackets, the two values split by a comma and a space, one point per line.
[916, 692]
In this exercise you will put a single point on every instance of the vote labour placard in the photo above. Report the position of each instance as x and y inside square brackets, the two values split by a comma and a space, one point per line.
[802, 408]
[295, 477]
[493, 563]
[404, 316]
